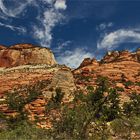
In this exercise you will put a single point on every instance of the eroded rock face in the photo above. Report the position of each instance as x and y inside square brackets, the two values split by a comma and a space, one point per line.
[24, 54]
[64, 80]
[119, 67]
[117, 56]
[88, 61]
[49, 77]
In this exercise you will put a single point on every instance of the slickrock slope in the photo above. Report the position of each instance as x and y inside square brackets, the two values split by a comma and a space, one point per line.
[122, 68]
[24, 54]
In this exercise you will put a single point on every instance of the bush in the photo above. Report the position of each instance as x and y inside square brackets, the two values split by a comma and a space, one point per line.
[55, 100]
[132, 108]
[138, 83]
[125, 128]
[24, 131]
[128, 83]
[120, 89]
[87, 113]
[17, 100]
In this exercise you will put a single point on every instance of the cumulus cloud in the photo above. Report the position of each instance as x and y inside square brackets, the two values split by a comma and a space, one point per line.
[114, 39]
[60, 4]
[74, 58]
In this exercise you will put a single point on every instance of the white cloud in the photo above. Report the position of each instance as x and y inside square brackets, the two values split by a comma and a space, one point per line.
[48, 21]
[74, 58]
[14, 11]
[62, 46]
[60, 4]
[19, 29]
[104, 26]
[114, 39]
[48, 1]
[51, 17]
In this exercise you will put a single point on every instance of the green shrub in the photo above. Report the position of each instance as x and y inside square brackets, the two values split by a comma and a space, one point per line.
[55, 101]
[25, 131]
[90, 88]
[138, 83]
[132, 108]
[120, 89]
[93, 110]
[17, 100]
[128, 83]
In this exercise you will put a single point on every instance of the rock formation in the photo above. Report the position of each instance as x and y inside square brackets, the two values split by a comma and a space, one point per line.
[24, 54]
[26, 65]
[120, 67]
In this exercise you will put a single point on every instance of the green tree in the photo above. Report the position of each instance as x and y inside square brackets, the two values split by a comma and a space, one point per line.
[93, 110]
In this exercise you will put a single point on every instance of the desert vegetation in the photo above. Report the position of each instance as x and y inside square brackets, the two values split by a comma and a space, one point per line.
[97, 115]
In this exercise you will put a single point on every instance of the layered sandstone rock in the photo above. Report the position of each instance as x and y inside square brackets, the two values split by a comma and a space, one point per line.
[24, 54]
[64, 80]
[88, 61]
[28, 75]
[2, 47]
[116, 56]
[119, 67]
[26, 65]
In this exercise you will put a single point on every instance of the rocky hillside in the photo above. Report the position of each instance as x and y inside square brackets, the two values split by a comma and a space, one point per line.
[24, 65]
[122, 69]
[23, 54]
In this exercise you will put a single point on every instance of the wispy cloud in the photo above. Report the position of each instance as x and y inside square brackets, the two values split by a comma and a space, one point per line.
[51, 17]
[104, 26]
[74, 58]
[43, 32]
[62, 46]
[19, 6]
[114, 39]
[19, 29]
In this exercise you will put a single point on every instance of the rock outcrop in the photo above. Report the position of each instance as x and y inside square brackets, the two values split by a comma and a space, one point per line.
[116, 56]
[64, 80]
[121, 68]
[26, 65]
[25, 54]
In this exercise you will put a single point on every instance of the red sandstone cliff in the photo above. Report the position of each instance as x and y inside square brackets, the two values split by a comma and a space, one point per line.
[26, 65]
[24, 54]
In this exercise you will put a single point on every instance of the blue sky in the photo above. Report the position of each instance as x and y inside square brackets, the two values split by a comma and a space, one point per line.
[72, 29]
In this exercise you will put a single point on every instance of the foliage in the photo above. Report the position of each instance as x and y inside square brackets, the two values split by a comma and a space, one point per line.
[128, 83]
[132, 108]
[96, 115]
[17, 100]
[55, 100]
[120, 89]
[93, 110]
[24, 131]
[126, 128]
[138, 83]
